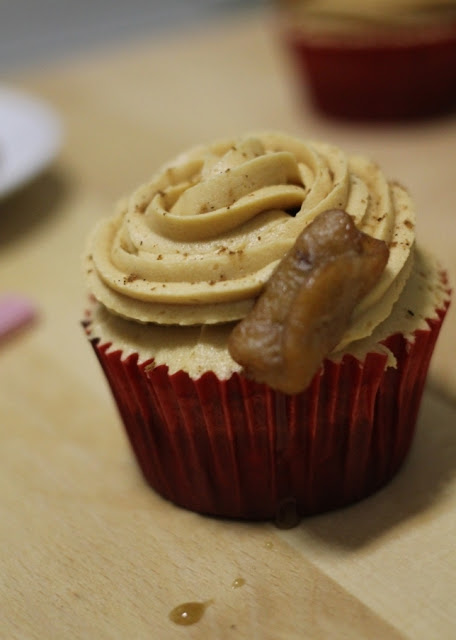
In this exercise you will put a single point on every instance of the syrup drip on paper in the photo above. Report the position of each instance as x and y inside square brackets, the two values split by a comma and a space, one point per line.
[239, 582]
[287, 515]
[188, 613]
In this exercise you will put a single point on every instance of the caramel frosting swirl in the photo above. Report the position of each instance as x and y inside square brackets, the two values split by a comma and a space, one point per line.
[197, 242]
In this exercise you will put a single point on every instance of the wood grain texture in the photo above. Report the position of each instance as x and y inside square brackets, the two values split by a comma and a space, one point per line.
[86, 549]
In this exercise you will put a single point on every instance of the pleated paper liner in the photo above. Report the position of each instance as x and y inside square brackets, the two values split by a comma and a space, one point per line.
[363, 78]
[238, 449]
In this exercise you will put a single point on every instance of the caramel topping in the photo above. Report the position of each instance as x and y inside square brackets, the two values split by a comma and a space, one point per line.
[308, 302]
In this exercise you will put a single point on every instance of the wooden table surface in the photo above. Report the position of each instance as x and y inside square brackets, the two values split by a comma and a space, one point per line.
[86, 549]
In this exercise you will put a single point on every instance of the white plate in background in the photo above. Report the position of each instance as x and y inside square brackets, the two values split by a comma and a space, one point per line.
[30, 137]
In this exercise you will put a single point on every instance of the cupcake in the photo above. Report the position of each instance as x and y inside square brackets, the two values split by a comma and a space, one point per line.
[374, 59]
[265, 321]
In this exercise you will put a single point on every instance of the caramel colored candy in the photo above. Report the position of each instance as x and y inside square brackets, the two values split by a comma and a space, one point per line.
[307, 304]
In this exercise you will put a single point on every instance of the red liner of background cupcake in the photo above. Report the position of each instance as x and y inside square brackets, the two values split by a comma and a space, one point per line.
[237, 448]
[382, 76]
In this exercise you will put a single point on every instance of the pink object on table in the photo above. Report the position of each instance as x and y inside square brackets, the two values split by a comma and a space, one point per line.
[16, 311]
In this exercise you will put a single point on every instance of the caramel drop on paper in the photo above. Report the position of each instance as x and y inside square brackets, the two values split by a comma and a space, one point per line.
[287, 515]
[188, 613]
[239, 582]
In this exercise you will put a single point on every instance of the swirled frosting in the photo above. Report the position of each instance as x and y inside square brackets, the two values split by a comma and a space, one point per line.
[197, 242]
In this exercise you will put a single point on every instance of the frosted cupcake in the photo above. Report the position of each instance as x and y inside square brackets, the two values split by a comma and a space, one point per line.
[184, 263]
[375, 59]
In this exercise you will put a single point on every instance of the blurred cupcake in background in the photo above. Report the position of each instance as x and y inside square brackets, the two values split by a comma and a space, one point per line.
[374, 59]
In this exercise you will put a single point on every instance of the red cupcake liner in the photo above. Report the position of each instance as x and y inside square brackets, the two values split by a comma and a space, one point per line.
[236, 448]
[378, 79]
